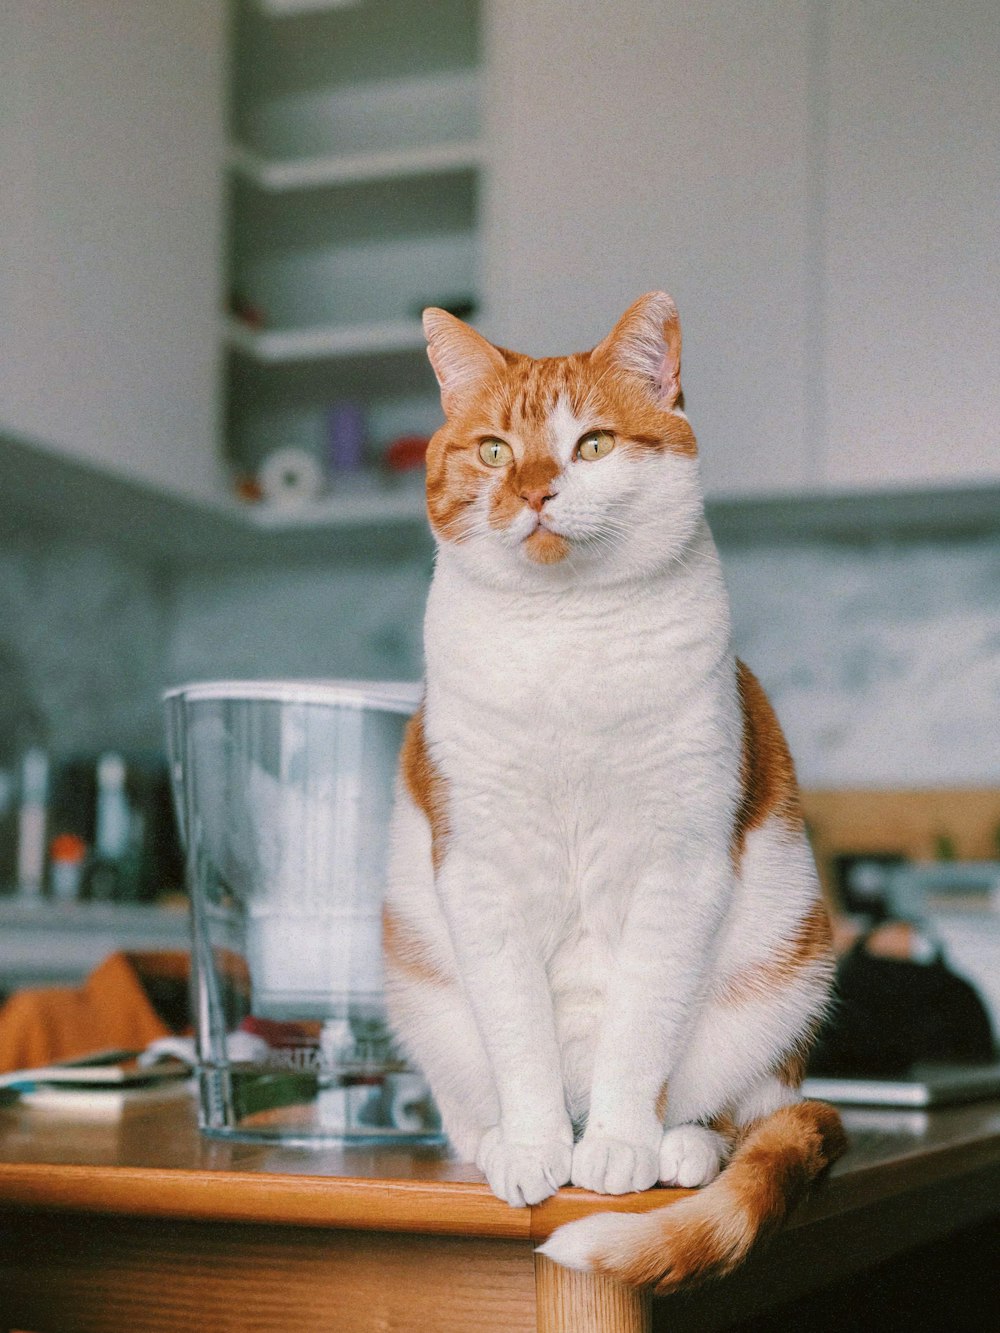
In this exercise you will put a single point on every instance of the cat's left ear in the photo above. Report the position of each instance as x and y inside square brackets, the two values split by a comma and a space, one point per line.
[646, 341]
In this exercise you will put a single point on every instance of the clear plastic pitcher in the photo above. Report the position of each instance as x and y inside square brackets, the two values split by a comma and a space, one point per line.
[283, 793]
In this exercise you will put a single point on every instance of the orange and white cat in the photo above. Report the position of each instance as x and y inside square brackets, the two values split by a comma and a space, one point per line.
[605, 943]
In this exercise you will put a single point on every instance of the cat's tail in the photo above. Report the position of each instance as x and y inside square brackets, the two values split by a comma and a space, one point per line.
[710, 1233]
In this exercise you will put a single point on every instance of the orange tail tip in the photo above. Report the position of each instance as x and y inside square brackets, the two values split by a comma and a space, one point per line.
[709, 1234]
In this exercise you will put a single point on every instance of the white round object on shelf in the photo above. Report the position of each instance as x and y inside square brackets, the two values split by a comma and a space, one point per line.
[290, 478]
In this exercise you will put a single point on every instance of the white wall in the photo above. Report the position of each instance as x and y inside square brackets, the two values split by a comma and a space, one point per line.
[815, 181]
[661, 145]
[911, 284]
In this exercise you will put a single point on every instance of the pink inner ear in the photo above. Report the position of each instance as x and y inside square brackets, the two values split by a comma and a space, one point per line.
[669, 377]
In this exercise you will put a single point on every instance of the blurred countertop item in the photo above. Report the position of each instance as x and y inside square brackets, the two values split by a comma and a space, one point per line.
[55, 943]
[112, 1010]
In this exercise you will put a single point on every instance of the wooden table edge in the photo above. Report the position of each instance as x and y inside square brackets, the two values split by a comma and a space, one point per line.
[458, 1208]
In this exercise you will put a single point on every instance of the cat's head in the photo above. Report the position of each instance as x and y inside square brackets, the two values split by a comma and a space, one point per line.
[550, 470]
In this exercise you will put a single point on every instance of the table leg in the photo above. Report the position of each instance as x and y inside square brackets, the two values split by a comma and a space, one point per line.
[571, 1302]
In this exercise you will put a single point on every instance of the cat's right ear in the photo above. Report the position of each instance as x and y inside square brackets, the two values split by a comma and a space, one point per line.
[461, 357]
[646, 341]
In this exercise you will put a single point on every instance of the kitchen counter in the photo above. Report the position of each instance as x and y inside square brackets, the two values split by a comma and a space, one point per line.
[142, 1223]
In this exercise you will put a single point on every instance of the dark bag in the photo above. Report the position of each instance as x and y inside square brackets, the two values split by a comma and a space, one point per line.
[890, 1012]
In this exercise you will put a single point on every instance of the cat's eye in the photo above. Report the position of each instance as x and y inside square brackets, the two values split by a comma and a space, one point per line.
[594, 445]
[495, 453]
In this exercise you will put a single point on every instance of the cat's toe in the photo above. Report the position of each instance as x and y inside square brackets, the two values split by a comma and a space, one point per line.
[690, 1156]
[612, 1166]
[523, 1173]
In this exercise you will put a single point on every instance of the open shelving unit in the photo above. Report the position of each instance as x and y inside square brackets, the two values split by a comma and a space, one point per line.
[354, 178]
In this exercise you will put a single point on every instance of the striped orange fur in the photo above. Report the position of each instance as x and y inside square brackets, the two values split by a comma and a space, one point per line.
[767, 774]
[711, 1233]
[426, 786]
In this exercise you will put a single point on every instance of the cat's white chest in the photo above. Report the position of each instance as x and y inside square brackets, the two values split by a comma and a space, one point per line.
[569, 729]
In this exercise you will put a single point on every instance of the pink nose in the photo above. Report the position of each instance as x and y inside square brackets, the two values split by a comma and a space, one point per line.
[536, 497]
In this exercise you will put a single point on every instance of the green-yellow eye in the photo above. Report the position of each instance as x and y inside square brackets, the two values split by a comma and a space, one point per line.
[594, 445]
[495, 453]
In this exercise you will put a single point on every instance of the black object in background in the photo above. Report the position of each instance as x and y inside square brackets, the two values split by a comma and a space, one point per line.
[862, 882]
[159, 860]
[889, 1013]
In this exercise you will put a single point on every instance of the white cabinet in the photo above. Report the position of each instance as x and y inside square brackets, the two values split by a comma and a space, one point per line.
[912, 283]
[661, 146]
[816, 184]
[111, 142]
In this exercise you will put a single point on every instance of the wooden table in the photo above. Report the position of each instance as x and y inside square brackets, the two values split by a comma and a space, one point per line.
[143, 1225]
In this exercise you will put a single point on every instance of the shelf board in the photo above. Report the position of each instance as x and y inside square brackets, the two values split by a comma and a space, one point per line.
[374, 507]
[352, 168]
[292, 8]
[326, 341]
[49, 495]
[45, 913]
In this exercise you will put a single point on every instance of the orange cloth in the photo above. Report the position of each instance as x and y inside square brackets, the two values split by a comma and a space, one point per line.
[109, 1010]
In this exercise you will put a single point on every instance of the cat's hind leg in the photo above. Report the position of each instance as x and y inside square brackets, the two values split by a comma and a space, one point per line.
[770, 990]
[434, 1024]
[428, 1011]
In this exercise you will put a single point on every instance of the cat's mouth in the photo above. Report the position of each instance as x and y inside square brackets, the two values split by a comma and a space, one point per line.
[544, 546]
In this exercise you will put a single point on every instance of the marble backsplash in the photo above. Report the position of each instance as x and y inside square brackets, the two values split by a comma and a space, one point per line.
[883, 661]
[84, 635]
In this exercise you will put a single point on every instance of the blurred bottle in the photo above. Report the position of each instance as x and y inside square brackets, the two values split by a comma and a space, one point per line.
[21, 732]
[345, 437]
[113, 871]
[119, 807]
[67, 859]
[31, 821]
[8, 827]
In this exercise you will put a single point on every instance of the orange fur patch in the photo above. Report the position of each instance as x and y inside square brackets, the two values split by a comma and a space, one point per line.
[709, 1234]
[427, 788]
[546, 548]
[792, 1069]
[405, 952]
[661, 1101]
[812, 942]
[724, 1125]
[767, 773]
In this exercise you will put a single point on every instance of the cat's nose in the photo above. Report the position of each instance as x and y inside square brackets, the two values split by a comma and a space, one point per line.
[536, 496]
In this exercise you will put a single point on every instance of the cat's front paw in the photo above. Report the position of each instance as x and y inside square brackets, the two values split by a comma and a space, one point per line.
[613, 1166]
[691, 1156]
[523, 1173]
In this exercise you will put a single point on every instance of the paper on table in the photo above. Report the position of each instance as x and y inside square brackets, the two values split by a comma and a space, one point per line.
[109, 1069]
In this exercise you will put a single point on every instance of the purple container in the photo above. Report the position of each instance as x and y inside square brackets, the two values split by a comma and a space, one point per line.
[345, 436]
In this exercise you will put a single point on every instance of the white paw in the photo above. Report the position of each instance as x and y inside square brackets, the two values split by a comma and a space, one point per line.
[612, 1166]
[691, 1155]
[523, 1173]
